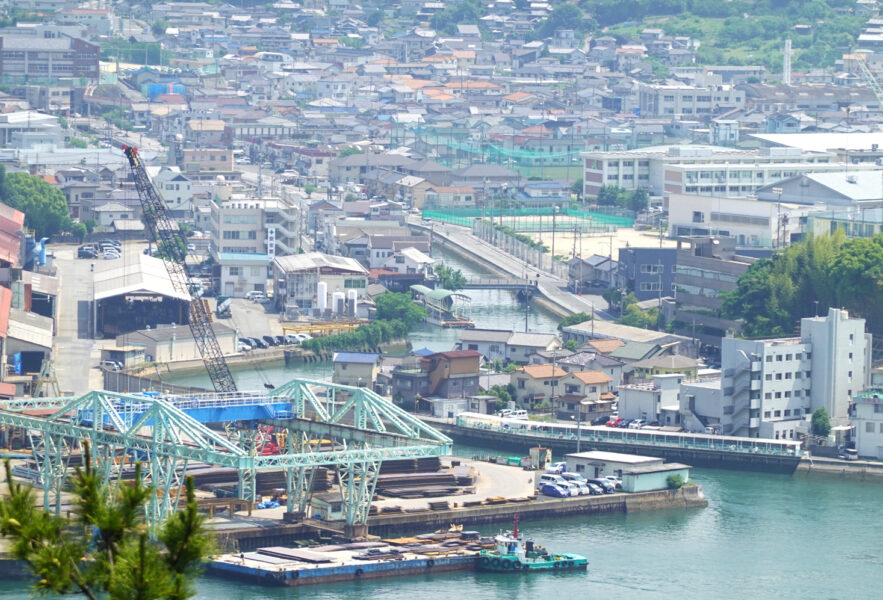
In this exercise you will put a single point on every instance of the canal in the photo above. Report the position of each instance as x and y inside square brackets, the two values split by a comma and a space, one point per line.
[491, 309]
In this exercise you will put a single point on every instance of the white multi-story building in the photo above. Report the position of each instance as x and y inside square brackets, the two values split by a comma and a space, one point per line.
[868, 419]
[770, 387]
[707, 170]
[753, 223]
[175, 188]
[686, 100]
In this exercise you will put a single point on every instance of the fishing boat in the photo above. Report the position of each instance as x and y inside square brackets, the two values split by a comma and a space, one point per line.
[511, 553]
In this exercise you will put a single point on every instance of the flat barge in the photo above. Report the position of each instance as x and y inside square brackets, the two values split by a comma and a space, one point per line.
[344, 562]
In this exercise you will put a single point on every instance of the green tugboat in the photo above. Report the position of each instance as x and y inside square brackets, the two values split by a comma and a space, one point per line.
[512, 554]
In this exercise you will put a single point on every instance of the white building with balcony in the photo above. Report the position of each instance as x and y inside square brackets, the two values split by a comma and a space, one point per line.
[771, 387]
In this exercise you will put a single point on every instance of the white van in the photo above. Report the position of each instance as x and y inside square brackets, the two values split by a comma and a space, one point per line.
[574, 477]
[518, 414]
[552, 479]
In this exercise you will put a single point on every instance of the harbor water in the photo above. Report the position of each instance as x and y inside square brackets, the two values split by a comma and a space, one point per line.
[764, 536]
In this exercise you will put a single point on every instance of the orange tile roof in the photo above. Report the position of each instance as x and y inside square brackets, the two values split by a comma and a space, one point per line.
[516, 96]
[543, 371]
[592, 376]
[605, 346]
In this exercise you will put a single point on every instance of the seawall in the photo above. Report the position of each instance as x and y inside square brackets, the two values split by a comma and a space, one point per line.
[857, 470]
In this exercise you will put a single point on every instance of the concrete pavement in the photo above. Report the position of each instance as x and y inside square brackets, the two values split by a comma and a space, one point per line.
[76, 354]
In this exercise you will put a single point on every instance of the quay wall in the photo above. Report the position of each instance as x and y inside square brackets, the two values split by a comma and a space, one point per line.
[858, 470]
[690, 496]
[697, 457]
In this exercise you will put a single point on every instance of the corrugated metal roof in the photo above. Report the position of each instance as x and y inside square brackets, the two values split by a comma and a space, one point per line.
[30, 327]
[316, 260]
[134, 273]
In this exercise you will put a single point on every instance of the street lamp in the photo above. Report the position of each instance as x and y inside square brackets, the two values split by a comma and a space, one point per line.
[579, 431]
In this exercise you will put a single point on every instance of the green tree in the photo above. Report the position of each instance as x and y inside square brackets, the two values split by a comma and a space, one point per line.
[159, 27]
[574, 319]
[459, 13]
[675, 481]
[309, 189]
[174, 250]
[78, 143]
[571, 345]
[349, 151]
[577, 187]
[374, 18]
[103, 550]
[393, 306]
[821, 423]
[44, 205]
[450, 279]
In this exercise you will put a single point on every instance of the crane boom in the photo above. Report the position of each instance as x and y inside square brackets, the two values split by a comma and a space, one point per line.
[166, 233]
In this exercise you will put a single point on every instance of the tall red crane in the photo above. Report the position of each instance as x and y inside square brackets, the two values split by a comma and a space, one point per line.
[166, 235]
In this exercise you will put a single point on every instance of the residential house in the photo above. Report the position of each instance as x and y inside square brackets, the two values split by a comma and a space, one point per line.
[585, 397]
[594, 361]
[448, 375]
[653, 400]
[491, 343]
[520, 346]
[662, 365]
[537, 385]
[867, 415]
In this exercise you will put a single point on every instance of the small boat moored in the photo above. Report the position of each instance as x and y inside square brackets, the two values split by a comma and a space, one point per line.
[512, 553]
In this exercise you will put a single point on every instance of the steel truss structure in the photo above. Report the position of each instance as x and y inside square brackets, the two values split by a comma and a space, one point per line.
[350, 429]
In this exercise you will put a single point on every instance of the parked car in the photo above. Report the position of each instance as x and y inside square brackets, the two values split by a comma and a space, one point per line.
[87, 252]
[259, 343]
[302, 337]
[253, 294]
[269, 339]
[550, 478]
[290, 339]
[581, 487]
[616, 481]
[247, 341]
[554, 491]
[111, 255]
[614, 422]
[243, 347]
[594, 489]
[110, 365]
[572, 488]
[600, 420]
[280, 340]
[636, 424]
[558, 468]
[605, 485]
[191, 247]
[574, 477]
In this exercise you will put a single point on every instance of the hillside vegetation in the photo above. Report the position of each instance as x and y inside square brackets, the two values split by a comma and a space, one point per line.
[740, 32]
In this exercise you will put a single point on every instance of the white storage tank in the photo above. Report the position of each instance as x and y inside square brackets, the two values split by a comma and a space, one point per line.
[322, 296]
[352, 297]
[337, 302]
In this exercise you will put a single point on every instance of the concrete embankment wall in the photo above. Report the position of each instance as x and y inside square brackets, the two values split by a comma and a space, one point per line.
[685, 497]
[697, 457]
[859, 470]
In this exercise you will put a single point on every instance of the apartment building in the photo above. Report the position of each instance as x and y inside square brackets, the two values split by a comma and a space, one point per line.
[688, 101]
[707, 267]
[35, 58]
[770, 387]
[708, 170]
[206, 163]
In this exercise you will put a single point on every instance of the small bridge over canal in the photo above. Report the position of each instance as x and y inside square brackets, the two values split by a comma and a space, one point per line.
[498, 283]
